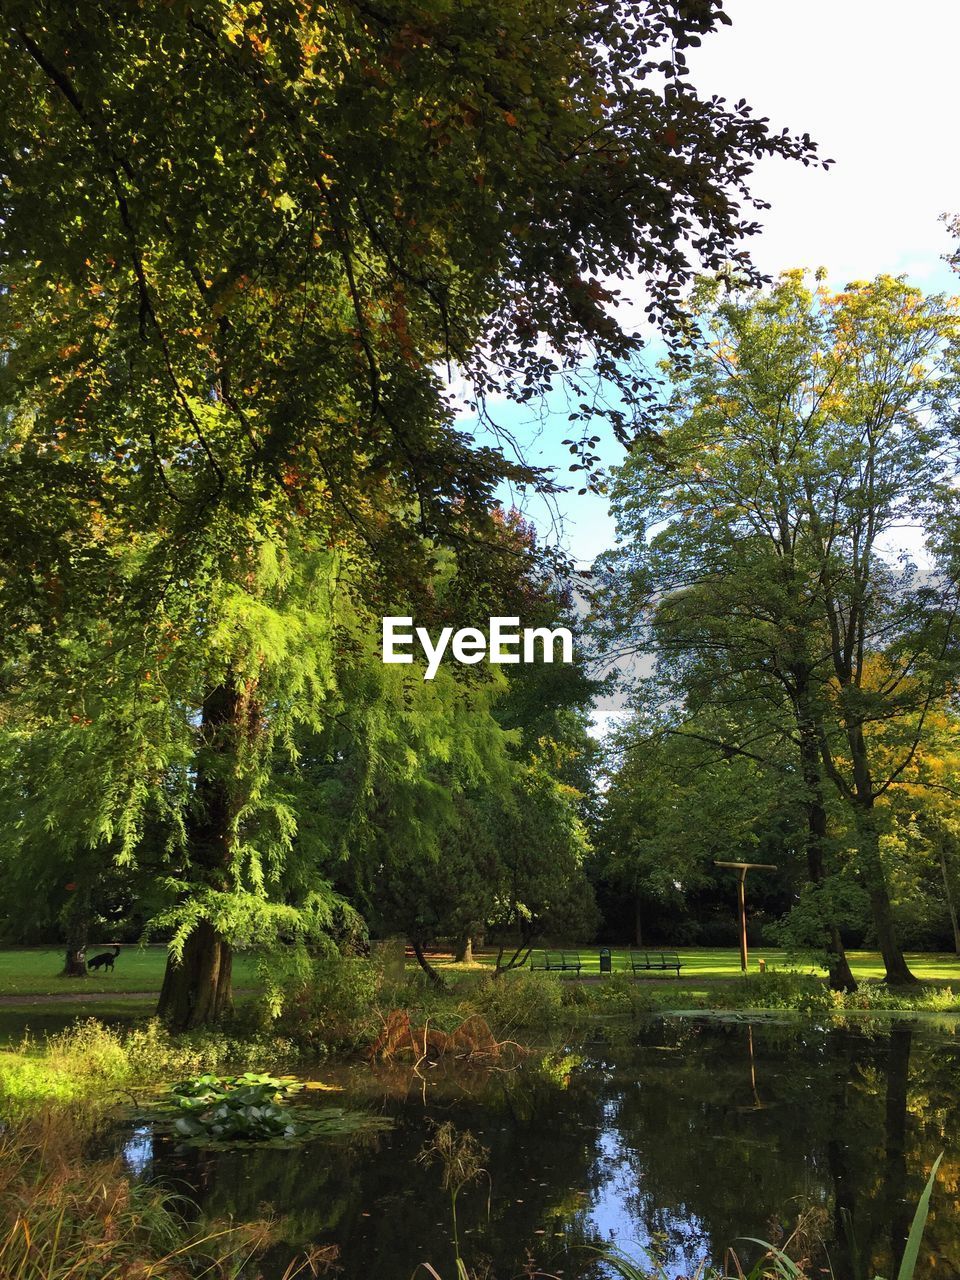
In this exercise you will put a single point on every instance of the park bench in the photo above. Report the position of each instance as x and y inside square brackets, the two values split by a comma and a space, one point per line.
[642, 961]
[556, 960]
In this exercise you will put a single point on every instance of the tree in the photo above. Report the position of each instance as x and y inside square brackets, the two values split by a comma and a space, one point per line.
[222, 320]
[806, 430]
[451, 804]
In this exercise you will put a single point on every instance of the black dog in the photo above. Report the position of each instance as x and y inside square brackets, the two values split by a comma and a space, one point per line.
[104, 960]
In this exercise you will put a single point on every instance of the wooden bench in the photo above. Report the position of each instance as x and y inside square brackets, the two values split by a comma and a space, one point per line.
[554, 961]
[644, 961]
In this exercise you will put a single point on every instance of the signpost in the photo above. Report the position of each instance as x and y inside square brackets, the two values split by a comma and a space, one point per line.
[743, 868]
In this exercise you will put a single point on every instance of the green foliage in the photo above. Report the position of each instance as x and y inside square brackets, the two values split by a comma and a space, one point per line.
[226, 445]
[335, 1006]
[521, 999]
[758, 565]
[244, 1108]
[808, 994]
[777, 989]
[616, 995]
[95, 1065]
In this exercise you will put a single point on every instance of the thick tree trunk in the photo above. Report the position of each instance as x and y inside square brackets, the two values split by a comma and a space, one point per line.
[872, 871]
[75, 961]
[198, 990]
[897, 971]
[947, 889]
[841, 976]
[464, 953]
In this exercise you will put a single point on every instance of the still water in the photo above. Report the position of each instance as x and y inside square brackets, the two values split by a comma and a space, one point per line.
[680, 1137]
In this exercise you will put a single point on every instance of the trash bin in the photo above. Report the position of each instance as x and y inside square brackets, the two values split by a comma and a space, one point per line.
[605, 966]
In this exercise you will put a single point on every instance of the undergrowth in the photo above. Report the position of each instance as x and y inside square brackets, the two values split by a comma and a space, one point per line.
[807, 993]
[63, 1217]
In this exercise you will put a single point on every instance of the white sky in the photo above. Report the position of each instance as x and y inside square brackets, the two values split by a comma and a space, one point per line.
[874, 83]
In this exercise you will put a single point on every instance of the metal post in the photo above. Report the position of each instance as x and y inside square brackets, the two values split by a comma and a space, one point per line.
[742, 904]
[743, 868]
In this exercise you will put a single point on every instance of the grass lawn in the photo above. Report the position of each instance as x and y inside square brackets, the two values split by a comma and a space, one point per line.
[41, 1020]
[30, 971]
[724, 962]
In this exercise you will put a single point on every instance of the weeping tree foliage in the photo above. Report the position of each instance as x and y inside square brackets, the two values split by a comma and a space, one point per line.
[763, 538]
[174, 751]
[239, 245]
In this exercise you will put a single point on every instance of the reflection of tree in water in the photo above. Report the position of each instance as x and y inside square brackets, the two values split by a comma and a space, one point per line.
[678, 1129]
[386, 1210]
[847, 1121]
[906, 1102]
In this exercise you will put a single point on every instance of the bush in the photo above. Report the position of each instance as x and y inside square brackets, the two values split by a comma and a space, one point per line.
[90, 1062]
[777, 989]
[521, 999]
[336, 1006]
[615, 995]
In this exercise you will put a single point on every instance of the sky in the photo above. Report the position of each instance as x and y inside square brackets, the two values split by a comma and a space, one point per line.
[874, 83]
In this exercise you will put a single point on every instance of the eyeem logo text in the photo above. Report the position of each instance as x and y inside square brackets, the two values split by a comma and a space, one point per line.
[504, 642]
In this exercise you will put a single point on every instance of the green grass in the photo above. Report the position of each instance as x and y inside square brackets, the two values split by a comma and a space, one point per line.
[33, 971]
[718, 962]
[43, 1020]
[29, 971]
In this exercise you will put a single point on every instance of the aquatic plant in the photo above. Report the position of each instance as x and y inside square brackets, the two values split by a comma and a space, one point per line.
[470, 1038]
[463, 1160]
[236, 1108]
[218, 1111]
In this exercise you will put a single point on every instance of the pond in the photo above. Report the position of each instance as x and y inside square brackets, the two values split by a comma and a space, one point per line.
[682, 1136]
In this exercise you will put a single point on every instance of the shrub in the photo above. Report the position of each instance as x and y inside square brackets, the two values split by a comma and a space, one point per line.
[522, 999]
[615, 995]
[90, 1062]
[336, 1006]
[777, 989]
[64, 1219]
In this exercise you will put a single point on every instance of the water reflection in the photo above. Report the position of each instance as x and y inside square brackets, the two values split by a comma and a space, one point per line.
[681, 1137]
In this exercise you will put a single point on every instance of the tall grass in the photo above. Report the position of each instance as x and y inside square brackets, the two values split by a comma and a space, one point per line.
[97, 1066]
[65, 1218]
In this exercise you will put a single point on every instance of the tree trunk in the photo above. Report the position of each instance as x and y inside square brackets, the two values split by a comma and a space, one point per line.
[872, 871]
[841, 976]
[948, 891]
[637, 921]
[519, 958]
[198, 990]
[464, 953]
[426, 966]
[75, 961]
[77, 929]
[897, 972]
